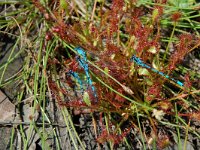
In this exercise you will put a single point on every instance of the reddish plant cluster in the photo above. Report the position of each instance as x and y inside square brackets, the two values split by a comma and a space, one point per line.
[143, 35]
[184, 45]
[113, 137]
[115, 17]
[154, 92]
[66, 35]
[187, 82]
[119, 98]
[41, 8]
[113, 56]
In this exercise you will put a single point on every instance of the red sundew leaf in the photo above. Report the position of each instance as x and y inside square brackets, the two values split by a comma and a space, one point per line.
[185, 42]
[93, 28]
[117, 4]
[39, 6]
[101, 121]
[149, 98]
[115, 13]
[176, 16]
[117, 105]
[183, 104]
[185, 39]
[114, 22]
[54, 93]
[157, 12]
[117, 138]
[93, 98]
[154, 91]
[103, 137]
[109, 97]
[74, 103]
[55, 88]
[95, 33]
[115, 69]
[137, 12]
[187, 82]
[78, 111]
[48, 36]
[142, 34]
[74, 66]
[111, 49]
[56, 29]
[70, 82]
[161, 1]
[53, 62]
[112, 137]
[65, 32]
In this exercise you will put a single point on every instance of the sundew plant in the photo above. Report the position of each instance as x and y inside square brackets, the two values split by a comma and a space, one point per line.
[122, 64]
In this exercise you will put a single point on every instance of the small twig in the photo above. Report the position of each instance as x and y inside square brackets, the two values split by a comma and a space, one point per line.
[9, 123]
[93, 11]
